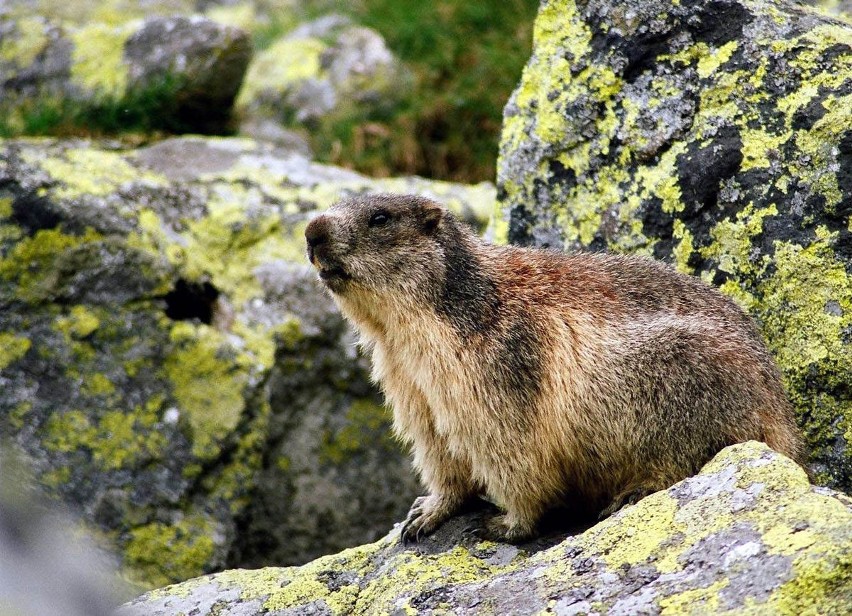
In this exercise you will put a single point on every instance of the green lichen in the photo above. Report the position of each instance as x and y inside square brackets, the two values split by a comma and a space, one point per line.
[5, 207]
[18, 415]
[158, 554]
[231, 485]
[12, 348]
[56, 477]
[98, 385]
[112, 12]
[243, 16]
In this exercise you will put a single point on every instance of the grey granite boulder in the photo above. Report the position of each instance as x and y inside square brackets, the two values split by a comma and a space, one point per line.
[169, 363]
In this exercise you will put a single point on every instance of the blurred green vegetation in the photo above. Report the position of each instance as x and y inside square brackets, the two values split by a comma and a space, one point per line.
[140, 115]
[466, 58]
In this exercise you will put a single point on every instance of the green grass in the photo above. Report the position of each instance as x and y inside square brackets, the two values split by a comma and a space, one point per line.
[155, 109]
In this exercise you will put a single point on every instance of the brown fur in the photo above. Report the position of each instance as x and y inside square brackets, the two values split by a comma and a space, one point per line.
[537, 378]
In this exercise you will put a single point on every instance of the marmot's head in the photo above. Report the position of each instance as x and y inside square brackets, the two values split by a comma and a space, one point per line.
[379, 243]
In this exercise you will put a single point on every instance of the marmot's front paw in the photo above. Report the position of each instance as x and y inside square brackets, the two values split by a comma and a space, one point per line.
[427, 513]
[498, 528]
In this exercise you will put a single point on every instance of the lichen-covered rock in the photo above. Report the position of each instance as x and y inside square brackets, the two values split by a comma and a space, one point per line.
[715, 135]
[325, 67]
[748, 535]
[166, 354]
[171, 72]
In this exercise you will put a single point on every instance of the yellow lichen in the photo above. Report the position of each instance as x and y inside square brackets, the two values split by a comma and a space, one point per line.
[116, 440]
[23, 45]
[684, 249]
[34, 263]
[732, 247]
[97, 60]
[97, 385]
[695, 601]
[709, 63]
[158, 554]
[758, 145]
[208, 384]
[269, 72]
[87, 171]
[637, 532]
[12, 348]
[79, 323]
[5, 207]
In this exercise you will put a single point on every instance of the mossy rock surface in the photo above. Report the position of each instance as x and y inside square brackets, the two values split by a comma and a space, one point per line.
[714, 135]
[167, 356]
[747, 535]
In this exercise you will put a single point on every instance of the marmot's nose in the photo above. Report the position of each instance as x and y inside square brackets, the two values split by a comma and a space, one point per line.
[316, 232]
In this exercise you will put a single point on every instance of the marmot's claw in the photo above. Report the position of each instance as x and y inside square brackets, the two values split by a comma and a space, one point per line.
[422, 519]
[409, 534]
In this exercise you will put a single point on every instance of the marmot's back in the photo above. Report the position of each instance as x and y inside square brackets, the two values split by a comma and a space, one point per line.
[542, 378]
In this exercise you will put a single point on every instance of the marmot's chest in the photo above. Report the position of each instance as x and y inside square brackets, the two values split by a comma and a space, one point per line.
[446, 375]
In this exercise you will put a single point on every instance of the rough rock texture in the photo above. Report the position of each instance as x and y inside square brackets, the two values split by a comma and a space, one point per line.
[166, 356]
[715, 135]
[749, 534]
[324, 67]
[183, 72]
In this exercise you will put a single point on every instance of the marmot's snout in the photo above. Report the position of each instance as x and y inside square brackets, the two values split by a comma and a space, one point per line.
[317, 234]
[321, 253]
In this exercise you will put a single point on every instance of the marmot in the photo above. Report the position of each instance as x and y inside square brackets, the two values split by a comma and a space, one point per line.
[537, 378]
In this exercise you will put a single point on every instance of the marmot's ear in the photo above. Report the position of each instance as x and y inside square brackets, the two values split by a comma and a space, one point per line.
[432, 216]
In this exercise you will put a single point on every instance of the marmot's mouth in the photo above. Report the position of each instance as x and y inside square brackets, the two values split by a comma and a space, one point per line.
[334, 273]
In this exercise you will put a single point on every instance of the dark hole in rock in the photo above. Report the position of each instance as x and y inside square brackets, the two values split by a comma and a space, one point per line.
[191, 300]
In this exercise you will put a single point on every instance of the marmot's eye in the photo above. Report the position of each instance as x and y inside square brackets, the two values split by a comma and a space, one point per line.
[379, 218]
